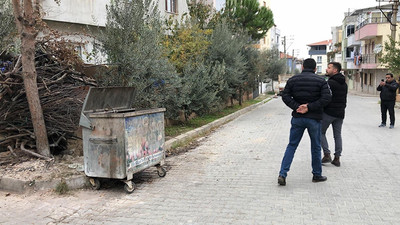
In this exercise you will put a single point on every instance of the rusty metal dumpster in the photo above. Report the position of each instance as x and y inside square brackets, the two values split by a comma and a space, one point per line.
[119, 141]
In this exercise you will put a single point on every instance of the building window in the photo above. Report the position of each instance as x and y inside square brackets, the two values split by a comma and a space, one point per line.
[349, 30]
[370, 79]
[365, 78]
[319, 69]
[350, 52]
[319, 59]
[170, 6]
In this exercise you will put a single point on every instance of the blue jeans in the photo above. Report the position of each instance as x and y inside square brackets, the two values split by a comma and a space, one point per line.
[296, 133]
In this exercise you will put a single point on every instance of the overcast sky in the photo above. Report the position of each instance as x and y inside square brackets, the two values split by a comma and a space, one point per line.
[309, 21]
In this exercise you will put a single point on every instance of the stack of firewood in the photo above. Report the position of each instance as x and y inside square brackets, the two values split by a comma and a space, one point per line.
[62, 91]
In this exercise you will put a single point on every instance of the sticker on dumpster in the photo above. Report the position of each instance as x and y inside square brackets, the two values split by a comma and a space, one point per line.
[144, 140]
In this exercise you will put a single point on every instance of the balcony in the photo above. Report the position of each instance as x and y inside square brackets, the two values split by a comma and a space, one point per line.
[369, 61]
[351, 41]
[317, 52]
[369, 28]
[366, 32]
[352, 63]
[373, 20]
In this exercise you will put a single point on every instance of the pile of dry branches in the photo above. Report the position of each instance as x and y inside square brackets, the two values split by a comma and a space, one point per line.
[62, 91]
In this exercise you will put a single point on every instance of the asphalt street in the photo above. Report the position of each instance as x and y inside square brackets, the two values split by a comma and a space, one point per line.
[231, 178]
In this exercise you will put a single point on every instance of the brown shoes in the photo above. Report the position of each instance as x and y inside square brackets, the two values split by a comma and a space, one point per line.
[327, 158]
[336, 161]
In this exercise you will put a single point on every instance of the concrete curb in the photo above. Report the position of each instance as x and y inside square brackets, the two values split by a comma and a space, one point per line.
[21, 186]
[82, 181]
[198, 132]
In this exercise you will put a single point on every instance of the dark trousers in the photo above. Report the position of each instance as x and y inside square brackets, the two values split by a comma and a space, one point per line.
[387, 106]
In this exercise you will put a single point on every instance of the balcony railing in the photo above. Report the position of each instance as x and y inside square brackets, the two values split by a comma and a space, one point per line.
[317, 52]
[370, 59]
[352, 63]
[371, 20]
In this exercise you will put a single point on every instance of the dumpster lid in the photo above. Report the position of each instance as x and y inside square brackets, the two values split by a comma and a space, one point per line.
[108, 98]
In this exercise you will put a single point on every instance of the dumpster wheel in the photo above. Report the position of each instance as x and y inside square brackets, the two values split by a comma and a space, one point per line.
[95, 183]
[129, 186]
[161, 171]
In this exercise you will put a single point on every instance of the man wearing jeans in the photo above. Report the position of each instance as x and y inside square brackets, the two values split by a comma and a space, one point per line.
[334, 112]
[306, 94]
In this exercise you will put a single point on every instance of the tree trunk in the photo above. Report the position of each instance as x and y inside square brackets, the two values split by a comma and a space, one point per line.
[240, 96]
[26, 17]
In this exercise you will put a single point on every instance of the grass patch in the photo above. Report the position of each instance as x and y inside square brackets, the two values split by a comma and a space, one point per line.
[175, 130]
[62, 188]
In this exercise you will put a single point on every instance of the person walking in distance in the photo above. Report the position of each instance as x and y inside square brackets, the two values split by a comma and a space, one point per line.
[334, 113]
[388, 98]
[306, 94]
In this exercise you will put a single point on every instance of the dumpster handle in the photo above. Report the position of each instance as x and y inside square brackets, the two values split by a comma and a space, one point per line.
[85, 122]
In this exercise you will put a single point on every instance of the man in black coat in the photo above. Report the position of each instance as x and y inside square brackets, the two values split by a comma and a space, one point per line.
[306, 94]
[388, 98]
[334, 112]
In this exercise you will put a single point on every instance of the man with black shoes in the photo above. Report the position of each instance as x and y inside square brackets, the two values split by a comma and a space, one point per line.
[306, 94]
[334, 112]
[388, 98]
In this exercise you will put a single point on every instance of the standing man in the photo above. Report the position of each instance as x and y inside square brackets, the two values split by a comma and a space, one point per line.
[334, 112]
[388, 98]
[306, 94]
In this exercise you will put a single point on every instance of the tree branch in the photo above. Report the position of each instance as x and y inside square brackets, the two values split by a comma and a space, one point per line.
[34, 153]
[17, 14]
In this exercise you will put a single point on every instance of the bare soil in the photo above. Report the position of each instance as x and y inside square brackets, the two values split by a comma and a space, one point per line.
[25, 167]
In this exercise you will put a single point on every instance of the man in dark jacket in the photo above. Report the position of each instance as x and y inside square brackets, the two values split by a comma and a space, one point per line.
[334, 112]
[306, 94]
[388, 98]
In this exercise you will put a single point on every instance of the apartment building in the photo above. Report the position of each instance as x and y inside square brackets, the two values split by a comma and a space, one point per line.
[350, 49]
[336, 54]
[364, 33]
[318, 51]
[272, 39]
[73, 17]
[373, 31]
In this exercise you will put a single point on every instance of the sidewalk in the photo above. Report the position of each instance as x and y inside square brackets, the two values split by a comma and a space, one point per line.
[79, 180]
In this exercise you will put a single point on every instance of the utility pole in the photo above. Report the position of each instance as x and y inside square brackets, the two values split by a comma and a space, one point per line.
[393, 24]
[293, 61]
[284, 52]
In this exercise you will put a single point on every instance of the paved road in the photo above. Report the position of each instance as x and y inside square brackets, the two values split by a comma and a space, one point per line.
[231, 178]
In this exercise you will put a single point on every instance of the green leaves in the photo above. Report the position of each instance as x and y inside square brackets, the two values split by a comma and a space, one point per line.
[226, 49]
[131, 41]
[391, 55]
[193, 67]
[7, 24]
[249, 16]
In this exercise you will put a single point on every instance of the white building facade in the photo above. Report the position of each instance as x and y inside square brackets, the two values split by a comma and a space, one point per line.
[73, 17]
[318, 51]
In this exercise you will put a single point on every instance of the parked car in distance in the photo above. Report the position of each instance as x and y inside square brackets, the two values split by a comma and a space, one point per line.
[282, 78]
[281, 87]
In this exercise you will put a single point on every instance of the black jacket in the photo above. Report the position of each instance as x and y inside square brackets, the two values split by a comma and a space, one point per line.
[388, 91]
[338, 86]
[307, 87]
